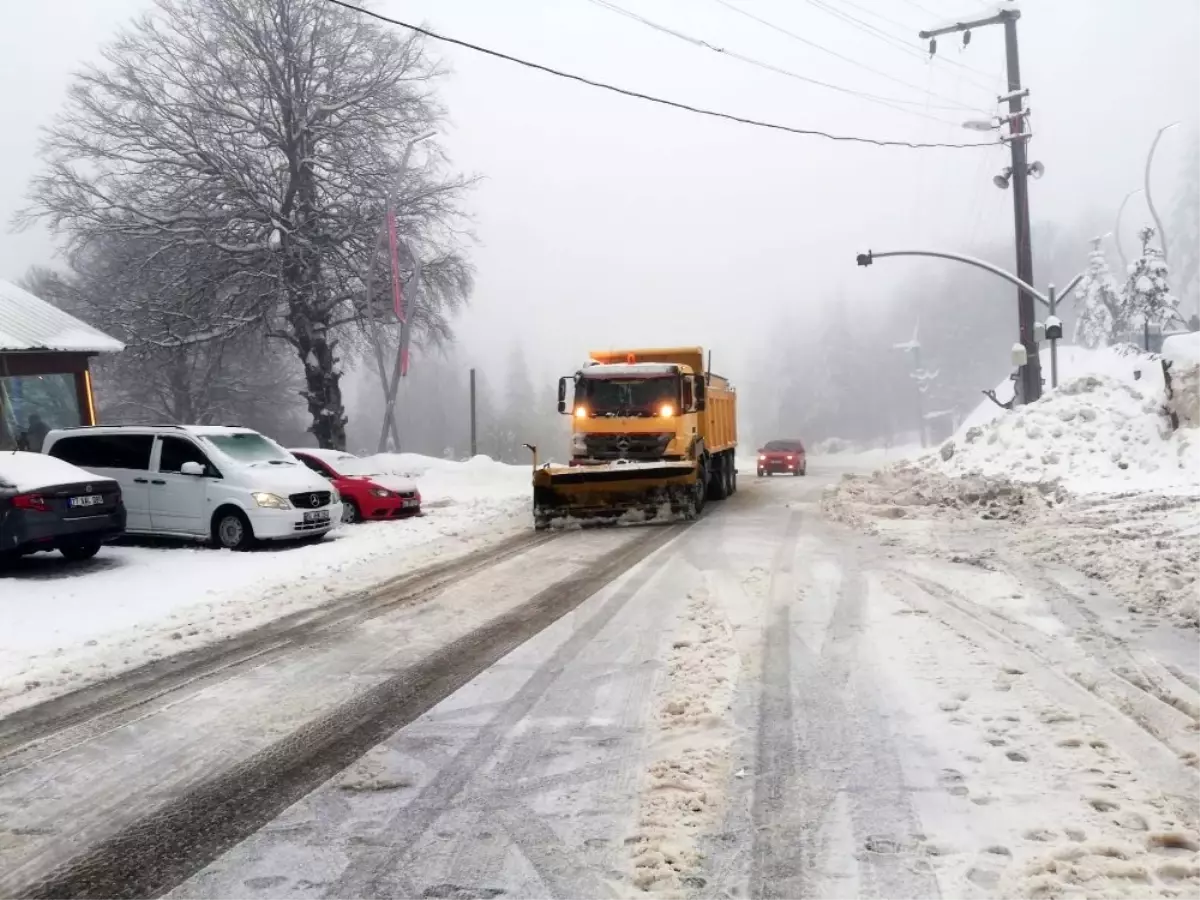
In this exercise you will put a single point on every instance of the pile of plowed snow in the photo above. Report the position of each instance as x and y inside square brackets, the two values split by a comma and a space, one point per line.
[1095, 433]
[1105, 431]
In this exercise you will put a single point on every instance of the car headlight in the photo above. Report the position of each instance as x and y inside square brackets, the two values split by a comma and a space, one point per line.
[380, 492]
[271, 501]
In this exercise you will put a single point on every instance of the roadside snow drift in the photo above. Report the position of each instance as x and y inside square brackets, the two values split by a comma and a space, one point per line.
[1102, 431]
[66, 624]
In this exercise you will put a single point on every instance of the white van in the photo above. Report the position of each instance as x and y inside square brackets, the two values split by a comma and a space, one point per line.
[228, 485]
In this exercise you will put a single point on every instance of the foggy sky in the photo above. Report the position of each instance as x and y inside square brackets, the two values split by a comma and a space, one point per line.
[603, 221]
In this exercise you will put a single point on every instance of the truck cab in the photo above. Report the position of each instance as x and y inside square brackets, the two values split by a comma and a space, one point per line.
[635, 411]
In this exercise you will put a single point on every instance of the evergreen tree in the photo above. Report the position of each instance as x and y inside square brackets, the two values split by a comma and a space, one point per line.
[1147, 298]
[1098, 301]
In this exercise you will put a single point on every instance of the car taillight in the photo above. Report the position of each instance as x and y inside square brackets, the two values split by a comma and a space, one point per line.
[34, 502]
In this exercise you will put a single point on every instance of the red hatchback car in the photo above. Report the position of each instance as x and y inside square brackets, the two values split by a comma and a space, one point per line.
[785, 457]
[365, 495]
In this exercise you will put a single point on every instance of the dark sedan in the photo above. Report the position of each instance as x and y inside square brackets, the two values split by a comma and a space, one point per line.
[48, 504]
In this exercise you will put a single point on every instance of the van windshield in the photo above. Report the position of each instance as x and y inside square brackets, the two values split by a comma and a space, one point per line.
[250, 448]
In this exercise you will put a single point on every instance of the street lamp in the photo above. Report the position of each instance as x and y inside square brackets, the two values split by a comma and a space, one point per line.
[1051, 330]
[1162, 235]
[1117, 228]
[982, 124]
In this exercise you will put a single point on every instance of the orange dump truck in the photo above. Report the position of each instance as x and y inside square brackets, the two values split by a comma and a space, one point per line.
[653, 437]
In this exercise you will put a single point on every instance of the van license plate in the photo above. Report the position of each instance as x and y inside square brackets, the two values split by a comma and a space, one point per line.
[86, 500]
[320, 515]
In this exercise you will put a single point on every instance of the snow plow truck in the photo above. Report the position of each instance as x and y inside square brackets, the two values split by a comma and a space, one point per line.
[653, 435]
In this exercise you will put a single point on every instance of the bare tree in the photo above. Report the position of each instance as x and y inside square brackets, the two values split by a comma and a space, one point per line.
[267, 132]
[190, 356]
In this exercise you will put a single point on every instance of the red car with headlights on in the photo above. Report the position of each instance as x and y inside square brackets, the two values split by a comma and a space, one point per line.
[365, 494]
[784, 457]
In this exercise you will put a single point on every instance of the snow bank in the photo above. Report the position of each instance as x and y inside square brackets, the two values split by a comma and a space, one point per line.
[480, 485]
[64, 625]
[1104, 429]
[1095, 433]
[1123, 362]
[1183, 349]
[29, 471]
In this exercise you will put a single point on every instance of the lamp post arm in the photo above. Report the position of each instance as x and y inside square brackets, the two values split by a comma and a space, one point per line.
[970, 261]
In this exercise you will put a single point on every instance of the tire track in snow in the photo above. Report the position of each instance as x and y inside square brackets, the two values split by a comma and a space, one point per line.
[35, 733]
[775, 862]
[823, 735]
[367, 875]
[518, 779]
[160, 849]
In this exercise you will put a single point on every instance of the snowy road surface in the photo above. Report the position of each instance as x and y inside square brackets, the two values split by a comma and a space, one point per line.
[764, 703]
[66, 625]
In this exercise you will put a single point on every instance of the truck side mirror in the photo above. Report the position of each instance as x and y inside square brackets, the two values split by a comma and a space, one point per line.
[562, 395]
[701, 392]
[689, 395]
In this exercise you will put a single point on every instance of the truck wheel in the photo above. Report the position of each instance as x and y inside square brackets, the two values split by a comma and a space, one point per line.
[730, 477]
[718, 479]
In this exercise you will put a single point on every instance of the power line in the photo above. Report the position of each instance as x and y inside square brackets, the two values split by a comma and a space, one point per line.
[890, 102]
[649, 98]
[918, 6]
[896, 42]
[956, 104]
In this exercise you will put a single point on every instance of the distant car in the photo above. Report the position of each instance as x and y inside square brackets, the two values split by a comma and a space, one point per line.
[366, 494]
[231, 486]
[784, 457]
[47, 504]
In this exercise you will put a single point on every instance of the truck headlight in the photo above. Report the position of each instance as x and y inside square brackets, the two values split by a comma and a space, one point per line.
[271, 501]
[579, 443]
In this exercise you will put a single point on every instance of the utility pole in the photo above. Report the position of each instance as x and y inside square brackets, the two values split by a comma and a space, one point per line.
[1031, 372]
[474, 444]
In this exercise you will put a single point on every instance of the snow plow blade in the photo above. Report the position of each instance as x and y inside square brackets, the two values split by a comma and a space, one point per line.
[614, 494]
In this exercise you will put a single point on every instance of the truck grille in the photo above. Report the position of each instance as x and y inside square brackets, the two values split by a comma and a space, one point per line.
[627, 446]
[305, 500]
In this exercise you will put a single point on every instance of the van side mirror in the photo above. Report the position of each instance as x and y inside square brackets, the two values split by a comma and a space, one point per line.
[192, 468]
[701, 392]
[562, 395]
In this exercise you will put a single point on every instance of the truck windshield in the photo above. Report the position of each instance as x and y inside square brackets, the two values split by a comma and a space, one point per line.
[627, 396]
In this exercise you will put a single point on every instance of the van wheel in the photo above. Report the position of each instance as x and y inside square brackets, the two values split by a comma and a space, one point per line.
[232, 531]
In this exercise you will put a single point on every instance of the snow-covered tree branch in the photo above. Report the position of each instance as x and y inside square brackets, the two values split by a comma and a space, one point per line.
[266, 135]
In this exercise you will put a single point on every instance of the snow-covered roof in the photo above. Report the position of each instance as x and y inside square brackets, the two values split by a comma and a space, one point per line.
[28, 323]
[30, 471]
[629, 370]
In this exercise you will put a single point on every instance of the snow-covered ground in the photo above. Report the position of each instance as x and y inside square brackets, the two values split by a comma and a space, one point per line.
[768, 704]
[65, 624]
